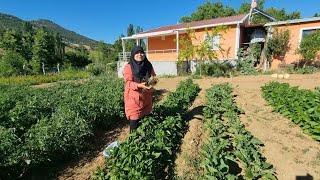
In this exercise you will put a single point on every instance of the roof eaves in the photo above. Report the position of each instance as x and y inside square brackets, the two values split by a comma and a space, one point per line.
[293, 21]
[135, 36]
[209, 25]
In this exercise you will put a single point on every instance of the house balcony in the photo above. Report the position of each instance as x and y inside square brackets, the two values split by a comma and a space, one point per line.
[154, 55]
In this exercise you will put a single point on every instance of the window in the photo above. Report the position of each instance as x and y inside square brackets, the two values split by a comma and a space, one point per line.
[308, 31]
[214, 41]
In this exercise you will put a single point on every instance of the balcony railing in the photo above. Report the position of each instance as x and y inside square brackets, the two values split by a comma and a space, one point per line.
[126, 55]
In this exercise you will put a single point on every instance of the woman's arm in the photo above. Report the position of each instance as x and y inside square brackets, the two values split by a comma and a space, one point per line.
[153, 73]
[128, 78]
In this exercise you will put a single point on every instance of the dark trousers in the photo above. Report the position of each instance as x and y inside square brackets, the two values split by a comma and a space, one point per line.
[134, 124]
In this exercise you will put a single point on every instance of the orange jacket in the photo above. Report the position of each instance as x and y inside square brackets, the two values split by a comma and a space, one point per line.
[137, 102]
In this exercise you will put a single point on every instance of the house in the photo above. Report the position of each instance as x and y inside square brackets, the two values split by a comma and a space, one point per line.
[162, 44]
[298, 29]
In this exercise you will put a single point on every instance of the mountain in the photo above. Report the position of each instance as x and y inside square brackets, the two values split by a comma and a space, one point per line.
[12, 22]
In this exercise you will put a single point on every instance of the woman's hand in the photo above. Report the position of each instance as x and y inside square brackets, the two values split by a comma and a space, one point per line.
[143, 86]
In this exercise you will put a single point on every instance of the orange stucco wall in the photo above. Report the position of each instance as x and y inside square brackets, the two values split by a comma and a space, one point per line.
[294, 41]
[162, 43]
[227, 43]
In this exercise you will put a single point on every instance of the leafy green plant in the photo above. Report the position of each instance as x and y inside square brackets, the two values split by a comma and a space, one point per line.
[58, 137]
[214, 69]
[277, 44]
[10, 95]
[10, 154]
[42, 126]
[11, 63]
[301, 70]
[149, 150]
[229, 142]
[39, 79]
[310, 46]
[301, 106]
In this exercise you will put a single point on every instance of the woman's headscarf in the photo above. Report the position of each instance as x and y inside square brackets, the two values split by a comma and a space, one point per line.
[141, 69]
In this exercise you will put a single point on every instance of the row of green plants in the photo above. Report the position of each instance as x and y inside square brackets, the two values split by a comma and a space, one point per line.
[41, 127]
[230, 152]
[149, 152]
[300, 105]
[301, 70]
[39, 79]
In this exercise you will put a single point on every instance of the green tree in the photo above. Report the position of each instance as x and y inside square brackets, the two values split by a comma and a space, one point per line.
[117, 45]
[27, 43]
[310, 46]
[209, 10]
[101, 54]
[59, 48]
[43, 50]
[316, 15]
[78, 58]
[11, 41]
[244, 8]
[130, 43]
[282, 15]
[276, 47]
[186, 49]
[185, 19]
[201, 52]
[11, 63]
[27, 27]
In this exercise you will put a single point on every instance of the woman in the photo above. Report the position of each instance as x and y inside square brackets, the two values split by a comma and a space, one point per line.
[137, 95]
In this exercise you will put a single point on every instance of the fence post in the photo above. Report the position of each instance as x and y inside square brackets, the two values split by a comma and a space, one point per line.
[58, 68]
[43, 70]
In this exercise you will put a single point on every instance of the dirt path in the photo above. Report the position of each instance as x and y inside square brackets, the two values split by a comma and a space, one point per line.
[86, 165]
[292, 153]
[186, 161]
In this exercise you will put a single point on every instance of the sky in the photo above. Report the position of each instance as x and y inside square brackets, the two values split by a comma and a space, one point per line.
[106, 20]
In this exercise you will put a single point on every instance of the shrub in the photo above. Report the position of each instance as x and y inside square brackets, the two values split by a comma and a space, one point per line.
[10, 96]
[39, 79]
[77, 58]
[301, 70]
[310, 46]
[41, 103]
[214, 69]
[54, 138]
[9, 156]
[246, 66]
[52, 124]
[96, 69]
[11, 63]
[249, 59]
[278, 44]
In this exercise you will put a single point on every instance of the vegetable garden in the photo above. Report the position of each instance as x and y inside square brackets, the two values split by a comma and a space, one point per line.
[44, 126]
[299, 105]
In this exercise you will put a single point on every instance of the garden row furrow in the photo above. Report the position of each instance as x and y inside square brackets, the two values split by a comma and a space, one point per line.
[230, 152]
